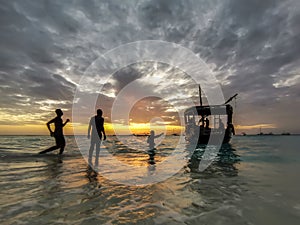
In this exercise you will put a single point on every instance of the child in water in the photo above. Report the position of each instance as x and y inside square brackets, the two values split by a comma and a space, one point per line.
[151, 142]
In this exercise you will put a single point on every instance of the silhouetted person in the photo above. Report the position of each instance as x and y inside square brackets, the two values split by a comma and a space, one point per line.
[230, 128]
[151, 138]
[206, 123]
[201, 122]
[58, 132]
[151, 142]
[97, 126]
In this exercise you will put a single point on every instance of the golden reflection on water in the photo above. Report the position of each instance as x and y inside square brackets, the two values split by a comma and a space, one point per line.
[68, 184]
[134, 151]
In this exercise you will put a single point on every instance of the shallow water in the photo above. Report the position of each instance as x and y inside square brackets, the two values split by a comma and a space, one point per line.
[255, 180]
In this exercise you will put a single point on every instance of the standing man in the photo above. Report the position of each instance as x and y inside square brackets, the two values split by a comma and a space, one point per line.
[97, 126]
[58, 132]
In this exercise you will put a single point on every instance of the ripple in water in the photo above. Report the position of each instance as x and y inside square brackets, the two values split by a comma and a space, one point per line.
[252, 181]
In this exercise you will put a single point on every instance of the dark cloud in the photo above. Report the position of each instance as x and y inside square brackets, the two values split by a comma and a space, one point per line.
[156, 14]
[252, 47]
[125, 76]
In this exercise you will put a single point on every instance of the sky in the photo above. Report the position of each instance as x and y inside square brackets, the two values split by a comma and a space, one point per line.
[251, 47]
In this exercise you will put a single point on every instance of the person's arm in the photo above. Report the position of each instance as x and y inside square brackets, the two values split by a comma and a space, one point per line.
[48, 126]
[157, 136]
[233, 131]
[67, 121]
[103, 131]
[89, 129]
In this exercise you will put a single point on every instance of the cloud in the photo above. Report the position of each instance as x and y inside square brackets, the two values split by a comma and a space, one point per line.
[251, 46]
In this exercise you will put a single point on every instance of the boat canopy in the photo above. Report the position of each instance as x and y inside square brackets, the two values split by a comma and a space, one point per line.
[210, 110]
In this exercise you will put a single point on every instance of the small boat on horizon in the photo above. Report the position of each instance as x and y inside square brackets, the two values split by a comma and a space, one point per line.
[141, 135]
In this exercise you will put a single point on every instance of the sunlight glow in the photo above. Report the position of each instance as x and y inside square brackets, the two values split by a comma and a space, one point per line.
[255, 126]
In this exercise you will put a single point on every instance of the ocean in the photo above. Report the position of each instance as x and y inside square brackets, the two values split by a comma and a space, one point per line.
[254, 180]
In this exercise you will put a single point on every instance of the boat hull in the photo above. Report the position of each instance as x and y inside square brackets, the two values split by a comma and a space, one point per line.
[204, 138]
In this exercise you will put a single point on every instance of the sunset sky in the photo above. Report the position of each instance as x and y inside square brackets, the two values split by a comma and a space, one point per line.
[252, 47]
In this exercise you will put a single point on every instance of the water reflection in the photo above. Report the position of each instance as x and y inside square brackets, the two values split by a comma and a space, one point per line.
[53, 167]
[91, 174]
[151, 169]
[224, 163]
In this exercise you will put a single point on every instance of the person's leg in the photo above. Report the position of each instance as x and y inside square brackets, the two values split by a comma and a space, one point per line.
[151, 154]
[57, 146]
[62, 144]
[49, 149]
[91, 152]
[97, 153]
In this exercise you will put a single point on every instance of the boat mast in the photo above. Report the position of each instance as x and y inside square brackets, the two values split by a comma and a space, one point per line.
[260, 131]
[200, 95]
[230, 99]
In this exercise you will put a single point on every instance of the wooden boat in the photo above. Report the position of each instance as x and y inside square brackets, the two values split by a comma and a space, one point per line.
[201, 122]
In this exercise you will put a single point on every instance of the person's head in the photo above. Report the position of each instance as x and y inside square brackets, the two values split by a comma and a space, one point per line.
[59, 112]
[152, 132]
[99, 112]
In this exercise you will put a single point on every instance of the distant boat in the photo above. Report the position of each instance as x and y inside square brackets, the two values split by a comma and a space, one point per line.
[140, 135]
[198, 126]
[261, 133]
[285, 133]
